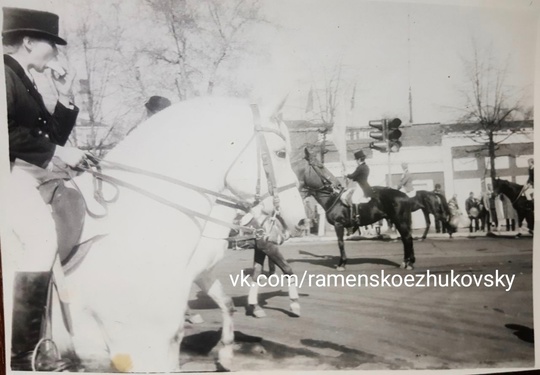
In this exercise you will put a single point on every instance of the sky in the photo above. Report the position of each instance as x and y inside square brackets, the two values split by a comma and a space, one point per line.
[383, 48]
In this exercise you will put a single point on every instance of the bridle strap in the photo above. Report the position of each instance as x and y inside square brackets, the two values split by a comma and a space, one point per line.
[191, 213]
[265, 157]
[174, 181]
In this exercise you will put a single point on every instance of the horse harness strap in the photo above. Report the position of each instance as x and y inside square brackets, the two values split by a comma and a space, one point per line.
[226, 200]
[264, 154]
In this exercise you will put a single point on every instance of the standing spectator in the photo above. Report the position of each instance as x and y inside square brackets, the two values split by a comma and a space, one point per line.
[510, 214]
[438, 223]
[490, 214]
[154, 105]
[472, 208]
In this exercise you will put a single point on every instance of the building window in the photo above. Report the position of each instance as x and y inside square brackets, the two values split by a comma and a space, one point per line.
[501, 162]
[465, 164]
[521, 161]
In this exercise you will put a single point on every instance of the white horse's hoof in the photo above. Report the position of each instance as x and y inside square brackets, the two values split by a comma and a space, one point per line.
[256, 311]
[225, 357]
[340, 268]
[295, 309]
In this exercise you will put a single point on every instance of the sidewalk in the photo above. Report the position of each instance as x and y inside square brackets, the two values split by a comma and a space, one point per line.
[417, 233]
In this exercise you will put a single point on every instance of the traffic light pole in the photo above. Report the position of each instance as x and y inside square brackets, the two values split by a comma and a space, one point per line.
[389, 175]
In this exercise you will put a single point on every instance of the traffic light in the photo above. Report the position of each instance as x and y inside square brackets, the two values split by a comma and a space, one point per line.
[379, 135]
[388, 133]
[393, 134]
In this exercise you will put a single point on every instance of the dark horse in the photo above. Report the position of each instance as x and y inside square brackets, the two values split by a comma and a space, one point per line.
[386, 203]
[524, 207]
[435, 204]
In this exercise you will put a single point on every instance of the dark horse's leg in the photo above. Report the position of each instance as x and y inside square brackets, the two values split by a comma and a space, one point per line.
[403, 223]
[428, 222]
[340, 230]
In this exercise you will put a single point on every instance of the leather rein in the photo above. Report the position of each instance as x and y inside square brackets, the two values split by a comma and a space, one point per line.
[94, 166]
[327, 184]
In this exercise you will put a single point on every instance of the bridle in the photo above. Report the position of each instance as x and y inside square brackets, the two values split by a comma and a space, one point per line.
[95, 165]
[327, 188]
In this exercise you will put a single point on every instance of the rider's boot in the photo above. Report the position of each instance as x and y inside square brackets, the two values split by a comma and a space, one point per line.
[356, 211]
[29, 307]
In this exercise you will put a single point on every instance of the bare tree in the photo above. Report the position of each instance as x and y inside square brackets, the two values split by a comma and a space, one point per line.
[229, 24]
[489, 101]
[197, 39]
[95, 45]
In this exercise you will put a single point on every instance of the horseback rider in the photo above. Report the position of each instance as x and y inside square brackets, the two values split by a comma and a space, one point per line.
[353, 196]
[406, 181]
[39, 160]
[528, 189]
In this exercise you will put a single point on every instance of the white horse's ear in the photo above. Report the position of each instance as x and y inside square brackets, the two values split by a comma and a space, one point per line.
[276, 109]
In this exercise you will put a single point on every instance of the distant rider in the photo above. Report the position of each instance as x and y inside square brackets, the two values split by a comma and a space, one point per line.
[353, 196]
[406, 181]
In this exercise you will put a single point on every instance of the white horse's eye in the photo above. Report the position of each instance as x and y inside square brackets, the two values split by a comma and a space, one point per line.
[281, 153]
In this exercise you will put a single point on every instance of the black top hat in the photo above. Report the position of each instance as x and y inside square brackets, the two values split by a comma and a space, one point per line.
[359, 155]
[157, 103]
[33, 23]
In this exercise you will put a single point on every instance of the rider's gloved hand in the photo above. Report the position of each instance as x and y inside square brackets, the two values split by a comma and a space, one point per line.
[72, 156]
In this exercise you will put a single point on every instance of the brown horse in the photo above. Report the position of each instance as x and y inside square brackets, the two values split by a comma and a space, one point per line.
[436, 205]
[386, 203]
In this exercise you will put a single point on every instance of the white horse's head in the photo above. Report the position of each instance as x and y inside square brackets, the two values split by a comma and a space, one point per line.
[262, 170]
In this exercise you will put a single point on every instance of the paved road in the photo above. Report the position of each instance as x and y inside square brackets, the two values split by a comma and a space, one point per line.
[380, 327]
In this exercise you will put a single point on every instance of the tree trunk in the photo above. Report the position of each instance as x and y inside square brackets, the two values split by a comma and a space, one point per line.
[491, 149]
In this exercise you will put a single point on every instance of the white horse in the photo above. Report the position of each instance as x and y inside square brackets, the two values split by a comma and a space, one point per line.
[129, 295]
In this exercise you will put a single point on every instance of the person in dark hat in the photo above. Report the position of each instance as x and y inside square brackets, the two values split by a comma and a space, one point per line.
[38, 154]
[352, 196]
[156, 104]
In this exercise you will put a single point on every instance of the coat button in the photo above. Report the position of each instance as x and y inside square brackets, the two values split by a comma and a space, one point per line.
[46, 135]
[40, 132]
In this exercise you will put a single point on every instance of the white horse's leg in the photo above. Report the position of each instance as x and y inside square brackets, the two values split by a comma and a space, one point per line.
[214, 289]
[226, 305]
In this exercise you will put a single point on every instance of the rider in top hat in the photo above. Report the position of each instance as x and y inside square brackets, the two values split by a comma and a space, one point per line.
[38, 155]
[360, 175]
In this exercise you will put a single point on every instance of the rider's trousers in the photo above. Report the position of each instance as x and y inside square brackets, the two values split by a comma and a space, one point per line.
[29, 246]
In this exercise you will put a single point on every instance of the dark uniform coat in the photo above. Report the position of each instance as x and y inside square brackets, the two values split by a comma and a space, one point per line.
[531, 176]
[360, 175]
[33, 131]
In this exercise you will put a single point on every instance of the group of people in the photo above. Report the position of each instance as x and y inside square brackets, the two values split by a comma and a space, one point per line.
[39, 154]
[484, 212]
